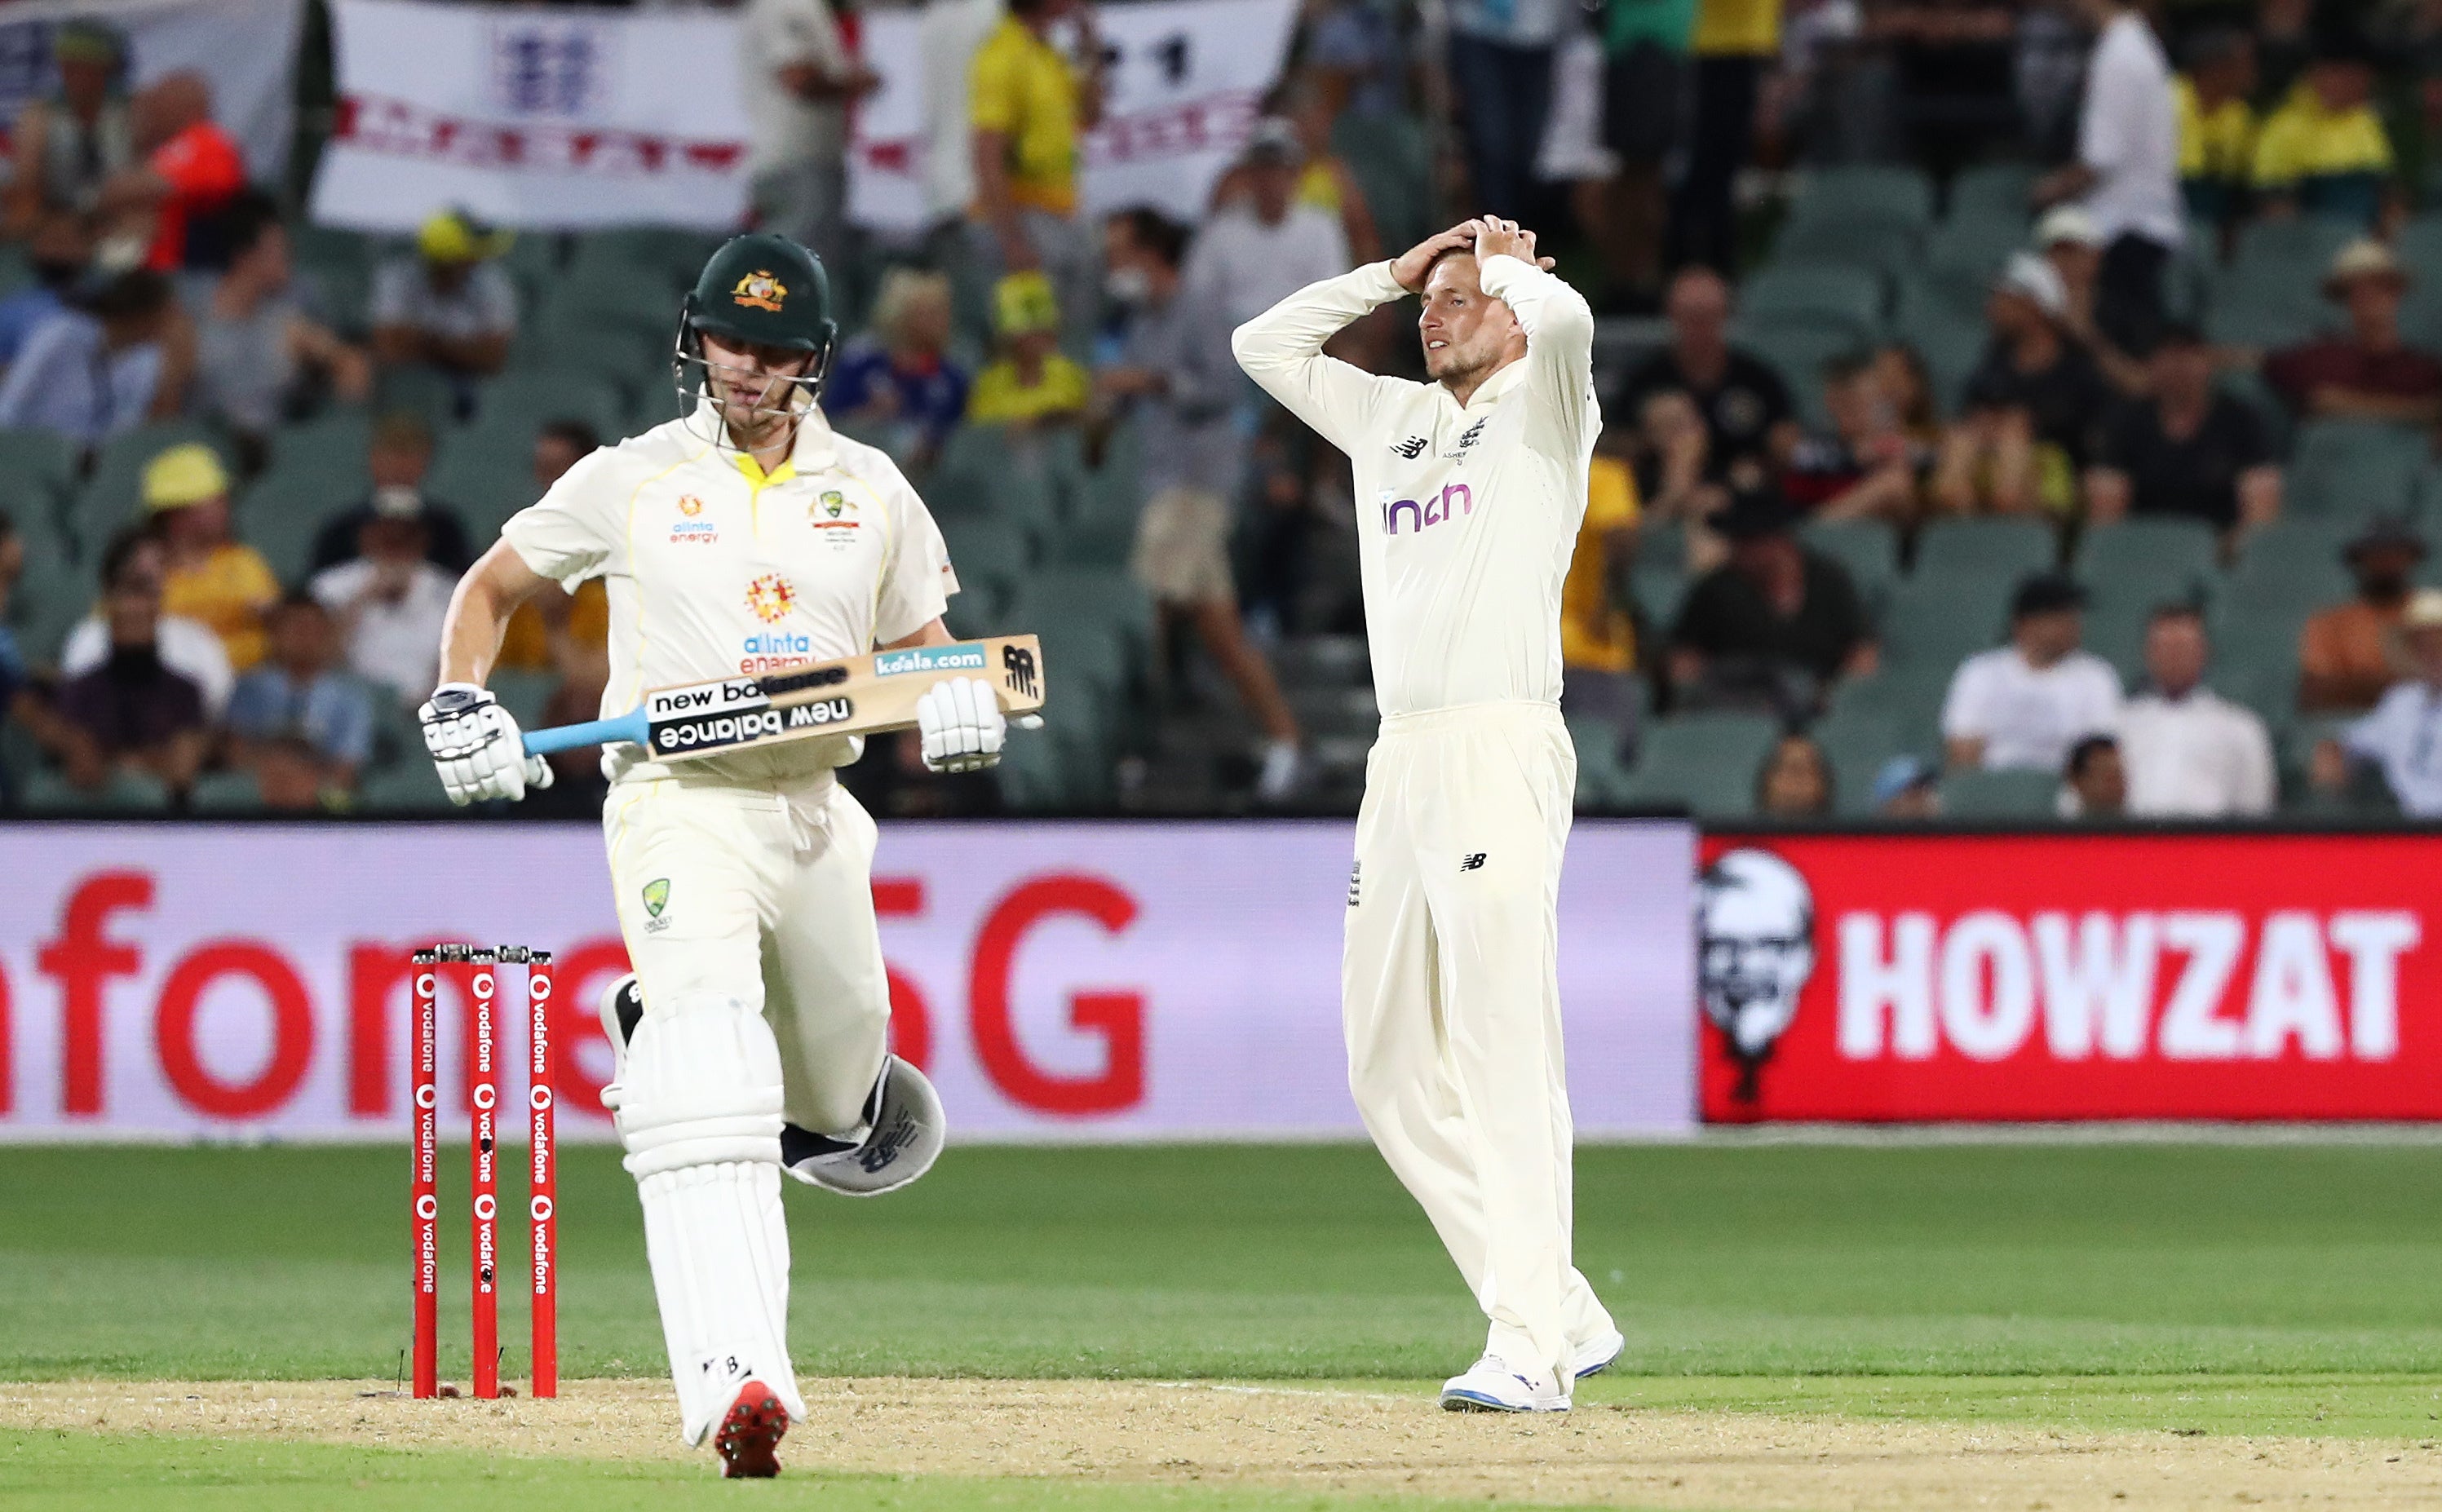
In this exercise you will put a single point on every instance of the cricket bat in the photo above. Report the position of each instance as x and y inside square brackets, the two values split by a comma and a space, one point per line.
[856, 695]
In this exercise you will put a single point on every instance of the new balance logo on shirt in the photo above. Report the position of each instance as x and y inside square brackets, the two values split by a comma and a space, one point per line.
[1473, 863]
[1410, 448]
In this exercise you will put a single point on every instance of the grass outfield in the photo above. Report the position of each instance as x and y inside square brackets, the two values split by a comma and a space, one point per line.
[2214, 1289]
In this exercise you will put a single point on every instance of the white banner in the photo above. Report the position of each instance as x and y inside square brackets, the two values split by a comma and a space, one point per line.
[533, 117]
[246, 49]
[1097, 981]
[1185, 82]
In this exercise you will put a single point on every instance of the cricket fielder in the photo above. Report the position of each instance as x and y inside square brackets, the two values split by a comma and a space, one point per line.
[744, 537]
[1469, 492]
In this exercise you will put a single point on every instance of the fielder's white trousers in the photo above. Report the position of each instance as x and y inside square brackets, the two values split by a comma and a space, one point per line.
[766, 897]
[1449, 993]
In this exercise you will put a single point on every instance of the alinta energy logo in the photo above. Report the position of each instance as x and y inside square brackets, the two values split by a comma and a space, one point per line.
[771, 597]
[1755, 933]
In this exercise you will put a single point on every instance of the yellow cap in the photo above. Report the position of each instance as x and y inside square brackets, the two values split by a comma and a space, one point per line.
[452, 236]
[1022, 304]
[184, 475]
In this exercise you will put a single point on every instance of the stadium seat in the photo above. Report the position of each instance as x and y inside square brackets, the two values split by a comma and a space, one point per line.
[1391, 156]
[1856, 743]
[523, 693]
[487, 473]
[2295, 559]
[331, 445]
[1827, 240]
[1602, 782]
[1995, 190]
[1707, 763]
[1872, 191]
[1847, 297]
[1798, 347]
[2116, 632]
[521, 403]
[2300, 245]
[225, 793]
[1977, 794]
[1870, 549]
[991, 554]
[124, 791]
[419, 390]
[408, 788]
[1933, 623]
[2005, 548]
[50, 596]
[2352, 484]
[2147, 560]
[1659, 589]
[41, 456]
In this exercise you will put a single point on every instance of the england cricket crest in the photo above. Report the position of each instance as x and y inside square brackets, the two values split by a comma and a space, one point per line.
[1755, 933]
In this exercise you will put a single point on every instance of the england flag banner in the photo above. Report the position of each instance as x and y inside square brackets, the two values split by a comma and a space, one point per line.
[1184, 84]
[244, 49]
[532, 117]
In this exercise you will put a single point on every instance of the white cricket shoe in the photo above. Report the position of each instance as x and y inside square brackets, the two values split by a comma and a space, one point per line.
[1492, 1386]
[1599, 1354]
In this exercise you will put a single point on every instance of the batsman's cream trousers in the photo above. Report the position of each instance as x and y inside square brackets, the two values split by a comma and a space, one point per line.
[767, 897]
[1450, 995]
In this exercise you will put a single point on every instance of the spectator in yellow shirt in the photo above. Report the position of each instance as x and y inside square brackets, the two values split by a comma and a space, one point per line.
[1028, 107]
[2324, 151]
[1598, 639]
[1031, 383]
[1734, 41]
[2216, 126]
[212, 579]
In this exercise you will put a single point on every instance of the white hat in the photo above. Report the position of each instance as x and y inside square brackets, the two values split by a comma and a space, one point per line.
[2067, 223]
[2028, 276]
[2424, 611]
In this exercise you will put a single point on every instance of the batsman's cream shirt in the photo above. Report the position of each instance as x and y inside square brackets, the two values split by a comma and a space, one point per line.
[714, 569]
[1465, 514]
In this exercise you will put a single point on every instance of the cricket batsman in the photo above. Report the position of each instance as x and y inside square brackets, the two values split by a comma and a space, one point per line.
[739, 539]
[1469, 492]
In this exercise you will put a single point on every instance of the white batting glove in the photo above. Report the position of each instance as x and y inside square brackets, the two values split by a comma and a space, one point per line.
[962, 726]
[475, 744]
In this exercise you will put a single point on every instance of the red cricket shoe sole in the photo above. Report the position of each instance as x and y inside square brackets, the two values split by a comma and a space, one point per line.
[748, 1440]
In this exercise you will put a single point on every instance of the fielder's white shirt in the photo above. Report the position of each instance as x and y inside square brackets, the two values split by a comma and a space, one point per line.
[2201, 757]
[2029, 716]
[2128, 133]
[715, 571]
[1465, 514]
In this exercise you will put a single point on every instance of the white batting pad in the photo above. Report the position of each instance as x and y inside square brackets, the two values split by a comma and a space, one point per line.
[701, 1085]
[719, 1252]
[699, 1115]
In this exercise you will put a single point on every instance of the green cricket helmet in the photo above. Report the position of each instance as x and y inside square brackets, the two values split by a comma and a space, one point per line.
[763, 289]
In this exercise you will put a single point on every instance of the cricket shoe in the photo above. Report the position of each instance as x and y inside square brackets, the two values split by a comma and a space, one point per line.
[1492, 1386]
[1599, 1354]
[748, 1440]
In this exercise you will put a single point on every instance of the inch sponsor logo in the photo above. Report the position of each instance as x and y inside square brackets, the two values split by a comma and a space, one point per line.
[1454, 499]
[965, 656]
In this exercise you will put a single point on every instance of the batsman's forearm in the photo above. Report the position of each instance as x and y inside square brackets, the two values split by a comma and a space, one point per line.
[470, 637]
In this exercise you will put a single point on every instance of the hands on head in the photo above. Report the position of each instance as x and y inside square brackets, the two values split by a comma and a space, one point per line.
[1489, 236]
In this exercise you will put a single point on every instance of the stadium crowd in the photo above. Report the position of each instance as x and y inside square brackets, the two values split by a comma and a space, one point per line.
[2014, 410]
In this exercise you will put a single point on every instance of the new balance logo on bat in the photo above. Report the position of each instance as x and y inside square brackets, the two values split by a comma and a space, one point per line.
[1019, 664]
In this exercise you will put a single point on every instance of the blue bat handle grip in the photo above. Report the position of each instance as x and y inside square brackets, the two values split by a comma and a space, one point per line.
[631, 727]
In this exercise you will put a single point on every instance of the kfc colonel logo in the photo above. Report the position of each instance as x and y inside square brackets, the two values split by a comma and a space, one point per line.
[1754, 935]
